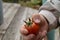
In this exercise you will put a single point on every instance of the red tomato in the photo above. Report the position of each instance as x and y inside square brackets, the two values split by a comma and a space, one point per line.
[32, 27]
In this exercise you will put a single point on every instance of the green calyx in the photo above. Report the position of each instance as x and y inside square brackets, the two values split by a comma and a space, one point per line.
[29, 22]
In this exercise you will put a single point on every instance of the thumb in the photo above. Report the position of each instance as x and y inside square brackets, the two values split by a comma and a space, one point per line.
[36, 18]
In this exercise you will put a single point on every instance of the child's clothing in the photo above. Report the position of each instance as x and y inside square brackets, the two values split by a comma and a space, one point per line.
[51, 11]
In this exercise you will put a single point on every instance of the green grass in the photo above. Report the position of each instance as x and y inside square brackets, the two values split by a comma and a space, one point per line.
[30, 4]
[33, 4]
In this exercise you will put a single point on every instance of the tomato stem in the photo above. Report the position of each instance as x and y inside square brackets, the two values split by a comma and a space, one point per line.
[25, 22]
[29, 19]
[29, 22]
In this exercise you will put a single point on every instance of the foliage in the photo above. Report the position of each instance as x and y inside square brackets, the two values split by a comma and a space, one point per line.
[11, 1]
[36, 1]
[29, 3]
[8, 0]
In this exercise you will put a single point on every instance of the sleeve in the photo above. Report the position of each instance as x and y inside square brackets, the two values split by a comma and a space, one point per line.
[50, 18]
[53, 6]
[51, 12]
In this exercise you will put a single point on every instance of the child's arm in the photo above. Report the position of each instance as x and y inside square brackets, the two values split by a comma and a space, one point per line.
[53, 15]
[50, 18]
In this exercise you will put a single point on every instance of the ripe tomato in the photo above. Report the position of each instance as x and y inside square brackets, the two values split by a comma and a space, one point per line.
[31, 27]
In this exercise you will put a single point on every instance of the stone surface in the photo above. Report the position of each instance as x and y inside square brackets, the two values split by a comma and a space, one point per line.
[9, 15]
[1, 37]
[9, 11]
[13, 31]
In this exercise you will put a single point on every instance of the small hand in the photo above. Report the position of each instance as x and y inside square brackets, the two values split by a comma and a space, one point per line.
[24, 32]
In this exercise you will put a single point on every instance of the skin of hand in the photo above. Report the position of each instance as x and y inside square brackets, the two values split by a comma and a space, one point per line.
[41, 33]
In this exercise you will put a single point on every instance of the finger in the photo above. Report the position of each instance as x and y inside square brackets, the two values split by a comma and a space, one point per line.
[39, 36]
[36, 18]
[23, 31]
[29, 37]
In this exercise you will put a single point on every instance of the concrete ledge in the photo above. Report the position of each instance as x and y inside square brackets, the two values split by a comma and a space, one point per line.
[12, 32]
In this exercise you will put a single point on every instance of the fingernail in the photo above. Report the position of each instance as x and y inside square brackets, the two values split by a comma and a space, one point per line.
[37, 21]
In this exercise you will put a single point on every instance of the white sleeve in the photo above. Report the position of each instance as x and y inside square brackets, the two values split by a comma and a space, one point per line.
[50, 17]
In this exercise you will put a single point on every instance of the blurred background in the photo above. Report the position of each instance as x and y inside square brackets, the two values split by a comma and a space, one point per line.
[27, 3]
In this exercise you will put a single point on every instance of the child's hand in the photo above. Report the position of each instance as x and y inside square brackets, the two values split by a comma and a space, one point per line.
[36, 19]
